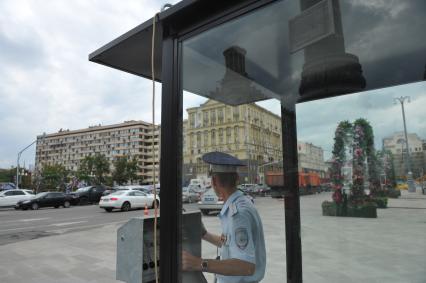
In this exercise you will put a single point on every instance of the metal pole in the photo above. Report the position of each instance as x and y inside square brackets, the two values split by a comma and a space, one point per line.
[17, 171]
[411, 187]
[19, 157]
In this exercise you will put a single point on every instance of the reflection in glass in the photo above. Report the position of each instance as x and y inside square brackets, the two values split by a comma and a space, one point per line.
[328, 69]
[362, 46]
[364, 147]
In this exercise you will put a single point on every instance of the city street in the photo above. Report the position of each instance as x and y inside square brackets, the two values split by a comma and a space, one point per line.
[18, 225]
[79, 244]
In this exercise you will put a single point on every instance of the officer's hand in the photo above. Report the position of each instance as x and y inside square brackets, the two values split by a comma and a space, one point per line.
[190, 262]
[203, 230]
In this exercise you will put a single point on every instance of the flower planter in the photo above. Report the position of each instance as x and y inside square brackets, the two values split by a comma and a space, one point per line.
[381, 202]
[368, 210]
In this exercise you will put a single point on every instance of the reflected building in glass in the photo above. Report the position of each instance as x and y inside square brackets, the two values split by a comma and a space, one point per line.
[396, 144]
[248, 132]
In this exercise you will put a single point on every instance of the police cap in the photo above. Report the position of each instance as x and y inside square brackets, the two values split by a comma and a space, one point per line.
[222, 162]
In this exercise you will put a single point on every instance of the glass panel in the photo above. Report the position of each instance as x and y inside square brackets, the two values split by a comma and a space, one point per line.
[254, 137]
[297, 51]
[362, 139]
[274, 52]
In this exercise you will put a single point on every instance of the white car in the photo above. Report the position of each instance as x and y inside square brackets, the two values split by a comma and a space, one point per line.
[11, 197]
[189, 195]
[126, 200]
[210, 202]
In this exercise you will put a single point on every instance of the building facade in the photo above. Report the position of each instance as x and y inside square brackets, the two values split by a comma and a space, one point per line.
[131, 138]
[248, 132]
[311, 158]
[417, 148]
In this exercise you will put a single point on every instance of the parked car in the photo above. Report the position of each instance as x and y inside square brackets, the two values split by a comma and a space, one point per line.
[189, 195]
[127, 199]
[326, 187]
[211, 202]
[247, 188]
[10, 198]
[150, 188]
[262, 189]
[87, 195]
[401, 185]
[7, 186]
[45, 199]
[198, 188]
[109, 191]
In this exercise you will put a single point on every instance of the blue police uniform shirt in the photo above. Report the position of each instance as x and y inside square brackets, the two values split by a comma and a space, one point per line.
[243, 239]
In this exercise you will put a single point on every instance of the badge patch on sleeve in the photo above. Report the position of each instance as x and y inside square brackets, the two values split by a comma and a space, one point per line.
[241, 238]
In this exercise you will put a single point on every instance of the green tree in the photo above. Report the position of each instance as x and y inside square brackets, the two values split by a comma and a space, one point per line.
[8, 175]
[101, 167]
[85, 170]
[119, 172]
[125, 170]
[132, 169]
[93, 169]
[53, 177]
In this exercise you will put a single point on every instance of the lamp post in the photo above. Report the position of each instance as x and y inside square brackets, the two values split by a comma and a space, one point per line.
[411, 187]
[19, 157]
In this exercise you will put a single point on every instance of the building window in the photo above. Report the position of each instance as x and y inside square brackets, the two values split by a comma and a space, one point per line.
[228, 135]
[198, 139]
[236, 113]
[213, 137]
[236, 135]
[192, 120]
[213, 117]
[205, 118]
[206, 138]
[220, 136]
[220, 115]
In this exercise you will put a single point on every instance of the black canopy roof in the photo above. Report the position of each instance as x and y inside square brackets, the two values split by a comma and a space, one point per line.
[131, 52]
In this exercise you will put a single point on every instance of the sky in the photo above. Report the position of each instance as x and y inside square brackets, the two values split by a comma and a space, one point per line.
[377, 106]
[47, 82]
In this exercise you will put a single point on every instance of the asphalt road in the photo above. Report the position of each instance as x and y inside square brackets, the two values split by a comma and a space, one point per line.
[18, 225]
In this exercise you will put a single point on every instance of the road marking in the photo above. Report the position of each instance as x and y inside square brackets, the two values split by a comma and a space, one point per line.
[20, 228]
[33, 219]
[67, 223]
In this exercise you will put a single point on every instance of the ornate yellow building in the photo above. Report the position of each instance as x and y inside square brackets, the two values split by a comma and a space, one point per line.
[248, 132]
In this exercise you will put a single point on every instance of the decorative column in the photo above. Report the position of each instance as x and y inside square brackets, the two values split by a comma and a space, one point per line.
[328, 69]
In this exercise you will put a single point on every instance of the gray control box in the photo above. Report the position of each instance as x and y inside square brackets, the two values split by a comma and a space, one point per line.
[135, 248]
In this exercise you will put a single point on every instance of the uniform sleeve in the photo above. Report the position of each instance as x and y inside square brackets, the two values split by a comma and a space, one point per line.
[242, 242]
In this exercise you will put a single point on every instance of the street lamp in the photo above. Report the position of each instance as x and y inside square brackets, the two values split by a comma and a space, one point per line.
[411, 187]
[19, 157]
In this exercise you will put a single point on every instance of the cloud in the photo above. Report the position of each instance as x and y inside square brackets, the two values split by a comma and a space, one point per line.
[46, 80]
[317, 120]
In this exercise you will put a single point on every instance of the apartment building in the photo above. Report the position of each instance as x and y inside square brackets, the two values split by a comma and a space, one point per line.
[311, 158]
[131, 138]
[248, 132]
[396, 144]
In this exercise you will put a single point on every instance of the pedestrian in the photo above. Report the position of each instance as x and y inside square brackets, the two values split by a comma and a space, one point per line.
[242, 243]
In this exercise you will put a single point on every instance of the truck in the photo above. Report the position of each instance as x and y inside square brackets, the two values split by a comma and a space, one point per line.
[309, 183]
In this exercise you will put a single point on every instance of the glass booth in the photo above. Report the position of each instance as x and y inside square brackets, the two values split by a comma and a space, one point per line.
[302, 92]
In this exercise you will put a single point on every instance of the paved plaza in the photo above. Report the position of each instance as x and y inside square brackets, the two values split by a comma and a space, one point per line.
[391, 248]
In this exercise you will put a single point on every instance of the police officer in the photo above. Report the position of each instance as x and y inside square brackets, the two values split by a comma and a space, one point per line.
[242, 244]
